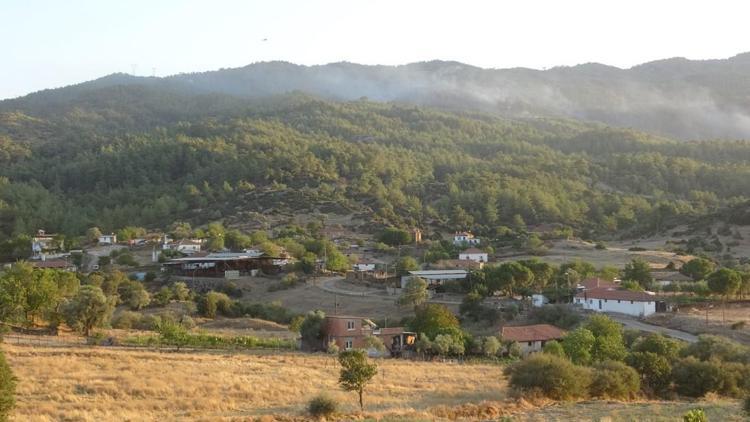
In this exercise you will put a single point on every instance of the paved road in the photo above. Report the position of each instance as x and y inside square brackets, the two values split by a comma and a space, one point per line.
[638, 325]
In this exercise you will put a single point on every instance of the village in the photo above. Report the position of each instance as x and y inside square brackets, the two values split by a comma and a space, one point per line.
[393, 295]
[371, 287]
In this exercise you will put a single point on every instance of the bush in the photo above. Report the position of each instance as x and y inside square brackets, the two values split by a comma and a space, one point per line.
[230, 288]
[738, 325]
[187, 322]
[147, 322]
[7, 388]
[614, 380]
[695, 415]
[655, 370]
[322, 406]
[554, 347]
[214, 302]
[554, 377]
[562, 316]
[126, 320]
[694, 378]
[715, 347]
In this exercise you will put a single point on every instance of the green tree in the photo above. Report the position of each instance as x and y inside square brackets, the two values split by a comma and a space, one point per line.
[93, 234]
[724, 282]
[433, 319]
[406, 264]
[491, 346]
[554, 347]
[698, 268]
[414, 292]
[356, 372]
[655, 370]
[89, 308]
[7, 388]
[180, 291]
[638, 270]
[395, 237]
[578, 345]
[311, 330]
[608, 343]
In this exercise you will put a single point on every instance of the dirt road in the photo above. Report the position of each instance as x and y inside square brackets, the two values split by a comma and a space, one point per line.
[629, 322]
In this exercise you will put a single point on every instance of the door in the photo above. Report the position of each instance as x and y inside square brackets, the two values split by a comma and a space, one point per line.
[600, 304]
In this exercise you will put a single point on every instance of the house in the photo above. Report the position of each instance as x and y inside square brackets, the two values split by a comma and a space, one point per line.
[45, 244]
[465, 238]
[107, 239]
[594, 283]
[473, 254]
[54, 264]
[665, 278]
[435, 277]
[351, 332]
[187, 246]
[531, 338]
[364, 266]
[609, 299]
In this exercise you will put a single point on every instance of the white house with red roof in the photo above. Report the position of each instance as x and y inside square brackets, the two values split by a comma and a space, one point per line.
[473, 254]
[611, 299]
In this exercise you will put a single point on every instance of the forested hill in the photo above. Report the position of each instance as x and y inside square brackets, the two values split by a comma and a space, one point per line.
[124, 155]
[679, 98]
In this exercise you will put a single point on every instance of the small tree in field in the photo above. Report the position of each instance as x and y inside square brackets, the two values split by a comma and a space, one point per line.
[356, 372]
[414, 293]
[7, 388]
[87, 309]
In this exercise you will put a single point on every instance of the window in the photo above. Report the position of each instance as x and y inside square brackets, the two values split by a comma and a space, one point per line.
[530, 343]
[631, 302]
[618, 300]
[350, 325]
[348, 344]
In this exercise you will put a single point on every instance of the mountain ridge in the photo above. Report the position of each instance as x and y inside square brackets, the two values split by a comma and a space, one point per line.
[674, 97]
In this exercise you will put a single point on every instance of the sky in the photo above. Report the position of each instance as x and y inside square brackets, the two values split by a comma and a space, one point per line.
[53, 43]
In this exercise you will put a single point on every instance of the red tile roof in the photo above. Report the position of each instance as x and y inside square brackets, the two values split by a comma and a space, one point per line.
[52, 263]
[538, 332]
[594, 282]
[614, 294]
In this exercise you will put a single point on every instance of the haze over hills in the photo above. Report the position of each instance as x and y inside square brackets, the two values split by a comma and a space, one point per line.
[454, 149]
[676, 97]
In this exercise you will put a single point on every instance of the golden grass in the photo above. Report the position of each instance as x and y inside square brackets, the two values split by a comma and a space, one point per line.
[81, 384]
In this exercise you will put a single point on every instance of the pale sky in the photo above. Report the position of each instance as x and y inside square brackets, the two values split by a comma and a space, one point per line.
[53, 43]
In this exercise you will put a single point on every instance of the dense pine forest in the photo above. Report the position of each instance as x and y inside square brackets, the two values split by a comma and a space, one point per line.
[121, 155]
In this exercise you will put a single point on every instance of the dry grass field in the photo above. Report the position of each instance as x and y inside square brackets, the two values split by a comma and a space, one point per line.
[616, 254]
[112, 384]
[692, 318]
[95, 384]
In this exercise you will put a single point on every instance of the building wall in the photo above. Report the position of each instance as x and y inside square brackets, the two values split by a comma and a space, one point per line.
[476, 257]
[636, 308]
[528, 347]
